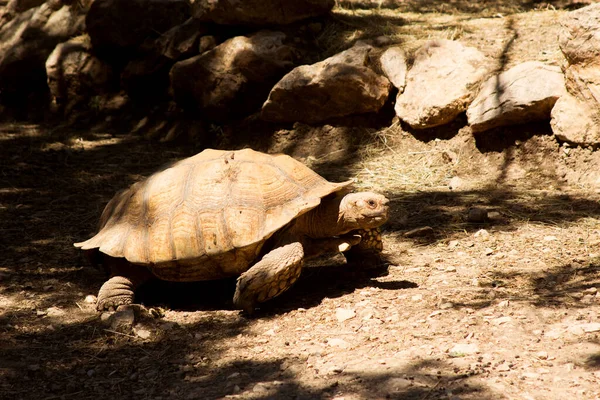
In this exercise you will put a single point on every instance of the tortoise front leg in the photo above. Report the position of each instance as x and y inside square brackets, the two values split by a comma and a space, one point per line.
[272, 275]
[368, 251]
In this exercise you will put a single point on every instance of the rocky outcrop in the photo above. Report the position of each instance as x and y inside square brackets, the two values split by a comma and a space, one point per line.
[576, 115]
[441, 83]
[74, 74]
[393, 65]
[27, 41]
[338, 86]
[259, 12]
[524, 93]
[234, 78]
[116, 24]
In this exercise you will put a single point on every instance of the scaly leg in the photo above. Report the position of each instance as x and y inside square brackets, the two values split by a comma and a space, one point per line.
[272, 275]
[120, 287]
[368, 251]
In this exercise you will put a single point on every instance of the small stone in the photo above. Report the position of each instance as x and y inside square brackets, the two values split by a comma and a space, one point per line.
[41, 313]
[504, 303]
[336, 342]
[550, 238]
[142, 333]
[236, 389]
[542, 355]
[450, 269]
[122, 319]
[446, 306]
[502, 320]
[462, 349]
[417, 297]
[234, 375]
[344, 314]
[482, 234]
[453, 243]
[90, 299]
[455, 183]
[503, 368]
[337, 369]
[55, 312]
[488, 251]
[477, 215]
[591, 290]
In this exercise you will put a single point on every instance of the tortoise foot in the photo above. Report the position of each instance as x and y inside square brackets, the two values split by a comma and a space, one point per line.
[115, 292]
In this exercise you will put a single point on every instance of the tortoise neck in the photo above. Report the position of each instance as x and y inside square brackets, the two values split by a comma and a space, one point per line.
[324, 221]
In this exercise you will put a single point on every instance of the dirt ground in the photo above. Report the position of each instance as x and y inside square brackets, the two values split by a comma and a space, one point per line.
[506, 308]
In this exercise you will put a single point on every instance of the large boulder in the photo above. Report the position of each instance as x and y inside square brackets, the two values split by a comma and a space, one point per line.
[576, 115]
[15, 7]
[441, 83]
[75, 74]
[338, 86]
[524, 93]
[234, 78]
[579, 38]
[26, 41]
[146, 74]
[117, 25]
[259, 12]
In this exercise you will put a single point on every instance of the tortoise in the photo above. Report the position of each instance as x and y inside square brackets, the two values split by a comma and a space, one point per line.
[222, 214]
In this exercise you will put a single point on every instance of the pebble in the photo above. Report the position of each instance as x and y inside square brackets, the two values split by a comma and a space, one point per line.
[90, 299]
[502, 320]
[122, 319]
[461, 349]
[482, 234]
[344, 314]
[477, 215]
[55, 312]
[337, 342]
[591, 290]
[542, 355]
[142, 333]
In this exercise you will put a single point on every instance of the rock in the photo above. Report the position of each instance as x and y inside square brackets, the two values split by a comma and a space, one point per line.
[576, 115]
[477, 215]
[55, 312]
[122, 319]
[90, 299]
[75, 74]
[579, 40]
[259, 12]
[440, 85]
[335, 87]
[25, 44]
[393, 65]
[14, 7]
[524, 93]
[462, 349]
[115, 24]
[234, 78]
[336, 342]
[181, 41]
[575, 122]
[142, 332]
[343, 314]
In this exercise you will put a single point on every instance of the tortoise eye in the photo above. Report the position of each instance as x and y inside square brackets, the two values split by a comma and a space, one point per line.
[371, 203]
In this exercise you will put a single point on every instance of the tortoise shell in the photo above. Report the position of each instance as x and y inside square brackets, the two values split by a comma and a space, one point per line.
[208, 216]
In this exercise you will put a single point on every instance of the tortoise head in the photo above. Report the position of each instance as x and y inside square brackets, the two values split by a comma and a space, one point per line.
[363, 210]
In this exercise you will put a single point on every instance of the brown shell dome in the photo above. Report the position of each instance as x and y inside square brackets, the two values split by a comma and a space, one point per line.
[208, 216]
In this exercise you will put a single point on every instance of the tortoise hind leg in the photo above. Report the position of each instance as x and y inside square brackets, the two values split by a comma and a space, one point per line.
[116, 291]
[272, 275]
[119, 289]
